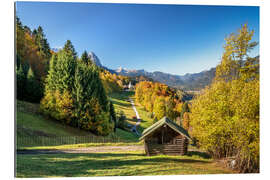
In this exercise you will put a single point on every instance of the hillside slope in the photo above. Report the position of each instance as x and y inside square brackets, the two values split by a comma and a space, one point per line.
[33, 129]
[30, 122]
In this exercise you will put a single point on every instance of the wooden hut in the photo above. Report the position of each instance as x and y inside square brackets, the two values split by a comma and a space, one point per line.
[165, 137]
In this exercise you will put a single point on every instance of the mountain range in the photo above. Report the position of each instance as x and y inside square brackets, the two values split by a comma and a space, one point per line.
[194, 82]
[188, 82]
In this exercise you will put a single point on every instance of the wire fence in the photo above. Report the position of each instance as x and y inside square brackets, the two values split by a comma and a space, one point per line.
[29, 141]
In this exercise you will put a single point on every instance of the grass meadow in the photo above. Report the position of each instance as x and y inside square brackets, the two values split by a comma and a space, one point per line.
[114, 164]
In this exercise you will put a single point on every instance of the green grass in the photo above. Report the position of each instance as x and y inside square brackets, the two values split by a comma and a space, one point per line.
[120, 102]
[36, 124]
[84, 145]
[126, 135]
[113, 164]
[145, 116]
[34, 130]
[30, 122]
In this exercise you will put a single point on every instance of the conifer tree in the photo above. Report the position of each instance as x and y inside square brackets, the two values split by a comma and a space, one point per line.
[33, 89]
[112, 114]
[69, 48]
[85, 58]
[42, 43]
[75, 94]
[90, 103]
[52, 80]
[66, 65]
[21, 82]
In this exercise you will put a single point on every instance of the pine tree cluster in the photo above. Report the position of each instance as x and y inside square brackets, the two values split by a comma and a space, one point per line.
[74, 93]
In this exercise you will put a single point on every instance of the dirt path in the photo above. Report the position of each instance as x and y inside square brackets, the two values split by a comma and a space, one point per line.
[96, 149]
[134, 128]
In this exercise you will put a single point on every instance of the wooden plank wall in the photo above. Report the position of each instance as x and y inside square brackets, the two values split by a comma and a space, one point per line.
[179, 147]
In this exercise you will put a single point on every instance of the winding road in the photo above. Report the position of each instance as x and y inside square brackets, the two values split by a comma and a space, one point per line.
[134, 128]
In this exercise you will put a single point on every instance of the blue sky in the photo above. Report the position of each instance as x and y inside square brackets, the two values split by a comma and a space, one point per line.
[175, 39]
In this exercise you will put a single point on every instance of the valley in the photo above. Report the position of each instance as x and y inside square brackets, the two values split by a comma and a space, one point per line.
[126, 154]
[75, 116]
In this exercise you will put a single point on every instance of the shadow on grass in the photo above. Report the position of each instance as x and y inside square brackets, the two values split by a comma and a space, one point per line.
[120, 104]
[198, 153]
[90, 164]
[135, 120]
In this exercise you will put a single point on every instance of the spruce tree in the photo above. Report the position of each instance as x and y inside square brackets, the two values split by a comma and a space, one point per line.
[91, 102]
[85, 58]
[69, 48]
[21, 82]
[88, 85]
[52, 80]
[42, 43]
[33, 89]
[112, 114]
[65, 66]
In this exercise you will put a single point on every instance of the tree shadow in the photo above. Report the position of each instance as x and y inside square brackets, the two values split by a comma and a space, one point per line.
[120, 104]
[91, 164]
[198, 153]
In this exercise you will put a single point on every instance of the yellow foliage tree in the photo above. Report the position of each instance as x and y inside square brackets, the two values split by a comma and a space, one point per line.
[225, 116]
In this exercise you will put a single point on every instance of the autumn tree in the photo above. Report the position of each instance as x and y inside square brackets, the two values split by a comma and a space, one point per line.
[186, 120]
[159, 108]
[159, 99]
[225, 116]
[28, 55]
[185, 108]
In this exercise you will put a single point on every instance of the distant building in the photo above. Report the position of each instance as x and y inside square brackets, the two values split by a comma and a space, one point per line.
[128, 87]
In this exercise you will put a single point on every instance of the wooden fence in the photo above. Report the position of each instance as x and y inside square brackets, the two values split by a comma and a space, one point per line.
[29, 141]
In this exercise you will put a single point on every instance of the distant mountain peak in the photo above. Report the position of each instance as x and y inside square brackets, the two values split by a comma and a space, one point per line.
[56, 49]
[94, 58]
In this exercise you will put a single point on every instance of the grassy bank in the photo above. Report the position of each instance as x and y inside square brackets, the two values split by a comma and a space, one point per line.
[113, 164]
[35, 131]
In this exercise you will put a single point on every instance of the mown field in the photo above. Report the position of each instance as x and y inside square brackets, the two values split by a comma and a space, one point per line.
[120, 101]
[113, 164]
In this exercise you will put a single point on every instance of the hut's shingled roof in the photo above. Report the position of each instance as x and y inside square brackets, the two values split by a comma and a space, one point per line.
[162, 122]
